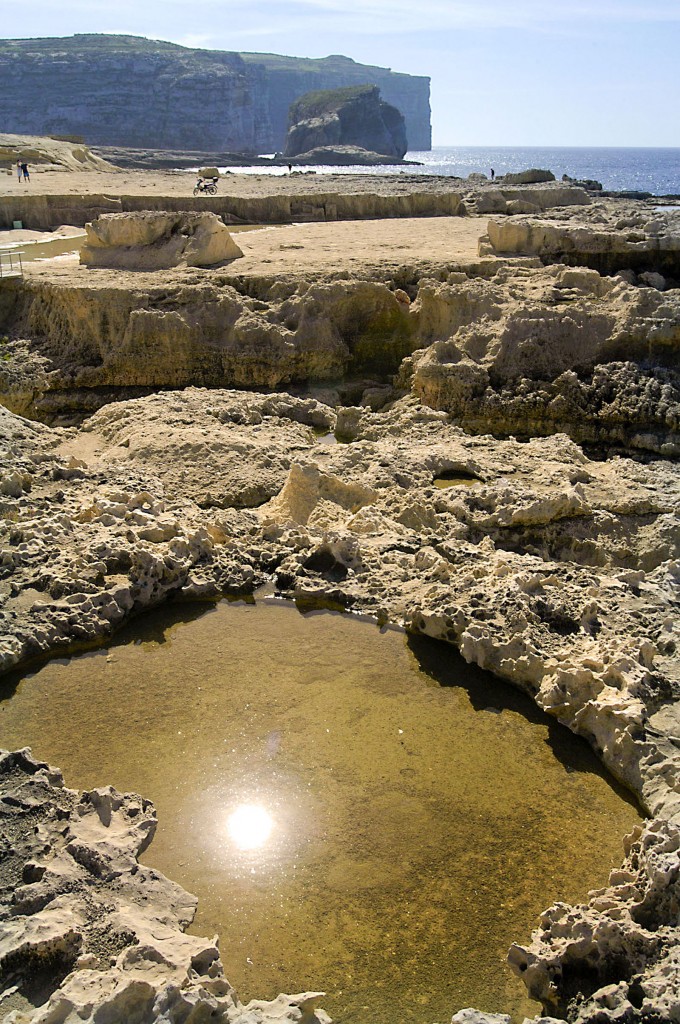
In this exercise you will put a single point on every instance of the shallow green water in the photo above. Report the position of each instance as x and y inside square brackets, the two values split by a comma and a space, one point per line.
[421, 813]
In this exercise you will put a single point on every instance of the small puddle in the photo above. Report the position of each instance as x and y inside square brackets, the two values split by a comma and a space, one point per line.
[325, 437]
[239, 228]
[456, 479]
[32, 251]
[357, 812]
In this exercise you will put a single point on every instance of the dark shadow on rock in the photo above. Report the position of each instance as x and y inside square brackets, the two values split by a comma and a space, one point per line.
[147, 627]
[447, 667]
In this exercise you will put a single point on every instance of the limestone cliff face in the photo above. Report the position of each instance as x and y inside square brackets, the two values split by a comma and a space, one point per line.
[346, 117]
[126, 90]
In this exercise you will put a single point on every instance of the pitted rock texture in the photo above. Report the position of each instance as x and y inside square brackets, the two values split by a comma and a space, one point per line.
[535, 350]
[505, 345]
[88, 933]
[639, 243]
[633, 922]
[557, 573]
[156, 241]
[201, 330]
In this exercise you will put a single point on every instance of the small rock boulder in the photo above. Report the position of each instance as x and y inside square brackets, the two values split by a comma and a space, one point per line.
[534, 176]
[340, 156]
[157, 240]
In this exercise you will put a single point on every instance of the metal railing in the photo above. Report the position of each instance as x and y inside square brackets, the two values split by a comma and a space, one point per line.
[11, 264]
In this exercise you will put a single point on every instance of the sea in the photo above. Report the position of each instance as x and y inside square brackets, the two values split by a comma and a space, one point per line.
[618, 169]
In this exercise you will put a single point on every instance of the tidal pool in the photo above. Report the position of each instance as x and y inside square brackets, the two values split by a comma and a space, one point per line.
[357, 812]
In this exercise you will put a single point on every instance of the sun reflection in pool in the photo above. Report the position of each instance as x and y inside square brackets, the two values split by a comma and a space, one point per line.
[249, 826]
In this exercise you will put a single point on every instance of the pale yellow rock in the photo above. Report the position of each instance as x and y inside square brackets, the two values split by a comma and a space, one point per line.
[152, 240]
[57, 153]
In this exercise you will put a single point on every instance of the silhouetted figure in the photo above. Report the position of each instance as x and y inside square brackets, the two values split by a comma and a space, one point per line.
[493, 174]
[290, 168]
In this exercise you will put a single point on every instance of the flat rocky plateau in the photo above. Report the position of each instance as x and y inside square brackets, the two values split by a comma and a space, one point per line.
[165, 435]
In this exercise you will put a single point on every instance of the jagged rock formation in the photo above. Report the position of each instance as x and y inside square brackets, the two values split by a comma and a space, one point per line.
[101, 932]
[49, 153]
[156, 241]
[153, 334]
[555, 572]
[568, 963]
[131, 91]
[534, 351]
[346, 117]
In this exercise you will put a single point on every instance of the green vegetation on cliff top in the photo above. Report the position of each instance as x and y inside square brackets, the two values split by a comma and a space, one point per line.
[94, 42]
[321, 102]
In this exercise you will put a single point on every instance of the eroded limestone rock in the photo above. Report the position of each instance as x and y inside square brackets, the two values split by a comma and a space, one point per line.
[85, 923]
[354, 116]
[651, 243]
[537, 350]
[155, 240]
[556, 572]
[632, 922]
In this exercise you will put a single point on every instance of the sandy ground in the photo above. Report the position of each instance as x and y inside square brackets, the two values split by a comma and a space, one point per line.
[181, 183]
[308, 250]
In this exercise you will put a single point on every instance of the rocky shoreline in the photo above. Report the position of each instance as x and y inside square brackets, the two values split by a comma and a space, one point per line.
[553, 566]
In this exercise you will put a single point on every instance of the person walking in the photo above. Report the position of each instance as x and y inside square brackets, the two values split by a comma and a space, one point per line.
[24, 171]
[493, 174]
[19, 170]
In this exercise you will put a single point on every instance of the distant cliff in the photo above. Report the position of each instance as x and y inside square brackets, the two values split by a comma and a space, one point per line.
[130, 91]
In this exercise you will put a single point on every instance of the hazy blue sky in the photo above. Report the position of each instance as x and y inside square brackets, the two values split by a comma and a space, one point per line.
[504, 72]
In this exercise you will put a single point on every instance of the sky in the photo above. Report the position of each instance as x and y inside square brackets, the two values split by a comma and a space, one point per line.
[504, 72]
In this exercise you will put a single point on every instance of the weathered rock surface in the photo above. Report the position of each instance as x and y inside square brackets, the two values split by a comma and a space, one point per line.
[303, 204]
[528, 177]
[48, 152]
[200, 331]
[557, 573]
[156, 241]
[86, 924]
[639, 243]
[133, 91]
[346, 117]
[537, 350]
[500, 344]
[634, 921]
[518, 199]
[257, 199]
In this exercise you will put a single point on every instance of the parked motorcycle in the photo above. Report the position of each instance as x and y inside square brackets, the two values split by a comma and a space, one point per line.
[208, 185]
